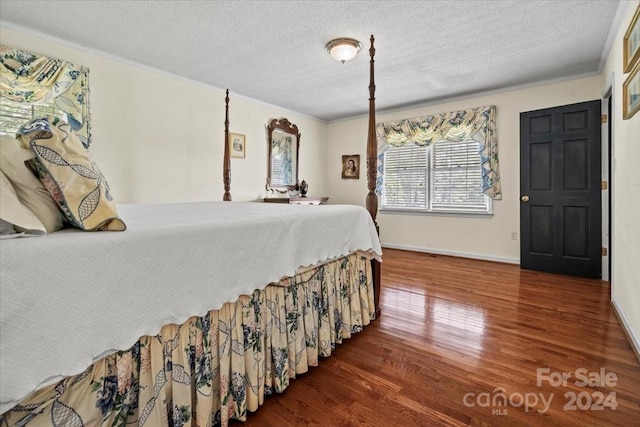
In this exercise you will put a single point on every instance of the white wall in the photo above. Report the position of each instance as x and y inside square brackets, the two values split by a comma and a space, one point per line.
[474, 236]
[158, 138]
[625, 186]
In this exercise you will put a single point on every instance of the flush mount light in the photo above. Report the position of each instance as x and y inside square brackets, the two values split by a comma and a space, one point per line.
[343, 49]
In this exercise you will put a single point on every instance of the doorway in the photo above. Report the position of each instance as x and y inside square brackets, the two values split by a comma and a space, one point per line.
[560, 178]
[607, 196]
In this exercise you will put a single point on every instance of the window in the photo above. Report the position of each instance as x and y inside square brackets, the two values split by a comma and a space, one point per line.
[442, 177]
[14, 114]
[32, 79]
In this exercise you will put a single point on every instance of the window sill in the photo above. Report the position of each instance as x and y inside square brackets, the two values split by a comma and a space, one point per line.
[391, 211]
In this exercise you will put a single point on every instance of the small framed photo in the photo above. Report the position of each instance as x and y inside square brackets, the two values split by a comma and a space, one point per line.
[351, 166]
[237, 145]
[631, 94]
[631, 43]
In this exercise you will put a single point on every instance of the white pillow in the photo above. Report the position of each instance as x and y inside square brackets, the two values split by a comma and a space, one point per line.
[31, 192]
[13, 212]
[6, 227]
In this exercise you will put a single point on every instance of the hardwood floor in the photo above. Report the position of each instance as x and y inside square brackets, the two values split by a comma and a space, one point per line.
[460, 342]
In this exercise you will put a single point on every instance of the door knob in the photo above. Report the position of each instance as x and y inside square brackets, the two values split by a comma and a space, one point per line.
[525, 198]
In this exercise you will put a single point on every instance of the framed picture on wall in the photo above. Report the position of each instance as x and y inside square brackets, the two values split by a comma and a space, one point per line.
[631, 94]
[351, 166]
[631, 44]
[237, 145]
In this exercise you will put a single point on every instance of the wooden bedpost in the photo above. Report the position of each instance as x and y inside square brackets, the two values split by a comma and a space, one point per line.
[372, 174]
[226, 162]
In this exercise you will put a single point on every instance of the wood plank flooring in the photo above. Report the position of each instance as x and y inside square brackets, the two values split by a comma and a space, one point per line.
[460, 342]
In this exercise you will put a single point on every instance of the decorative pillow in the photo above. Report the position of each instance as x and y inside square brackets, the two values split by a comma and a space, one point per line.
[16, 219]
[76, 184]
[29, 189]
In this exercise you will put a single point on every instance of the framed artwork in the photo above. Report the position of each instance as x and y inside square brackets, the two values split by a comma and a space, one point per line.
[631, 43]
[351, 166]
[631, 94]
[237, 145]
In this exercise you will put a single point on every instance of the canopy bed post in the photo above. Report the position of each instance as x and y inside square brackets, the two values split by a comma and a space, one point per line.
[372, 155]
[226, 163]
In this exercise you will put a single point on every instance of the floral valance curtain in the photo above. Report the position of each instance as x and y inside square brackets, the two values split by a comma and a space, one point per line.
[478, 124]
[28, 77]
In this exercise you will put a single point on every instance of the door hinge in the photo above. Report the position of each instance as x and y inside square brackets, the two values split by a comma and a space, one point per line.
[603, 118]
[603, 251]
[603, 185]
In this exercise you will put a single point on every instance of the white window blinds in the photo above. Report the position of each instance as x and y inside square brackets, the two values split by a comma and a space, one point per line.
[14, 114]
[405, 177]
[443, 177]
[456, 177]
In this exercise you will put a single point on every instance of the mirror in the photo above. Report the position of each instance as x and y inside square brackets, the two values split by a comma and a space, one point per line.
[284, 144]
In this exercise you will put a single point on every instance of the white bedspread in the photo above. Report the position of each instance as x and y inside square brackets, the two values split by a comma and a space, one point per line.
[71, 297]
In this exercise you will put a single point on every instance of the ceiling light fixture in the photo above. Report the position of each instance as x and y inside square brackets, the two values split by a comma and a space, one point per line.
[343, 49]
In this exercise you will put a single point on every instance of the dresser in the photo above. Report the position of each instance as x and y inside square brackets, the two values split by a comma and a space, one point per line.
[297, 200]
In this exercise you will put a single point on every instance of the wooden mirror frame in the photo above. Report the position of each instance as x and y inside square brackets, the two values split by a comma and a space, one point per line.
[284, 126]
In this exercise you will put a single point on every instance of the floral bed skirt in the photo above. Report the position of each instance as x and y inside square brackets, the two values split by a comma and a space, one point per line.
[218, 366]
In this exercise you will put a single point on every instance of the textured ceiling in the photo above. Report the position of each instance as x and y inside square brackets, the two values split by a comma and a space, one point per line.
[273, 51]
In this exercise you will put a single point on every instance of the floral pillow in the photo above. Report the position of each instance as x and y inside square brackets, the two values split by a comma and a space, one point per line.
[67, 172]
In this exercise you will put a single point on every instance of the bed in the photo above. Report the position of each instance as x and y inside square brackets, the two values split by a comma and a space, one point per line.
[223, 306]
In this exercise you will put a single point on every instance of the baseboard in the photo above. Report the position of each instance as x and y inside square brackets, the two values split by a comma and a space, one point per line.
[452, 253]
[626, 327]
